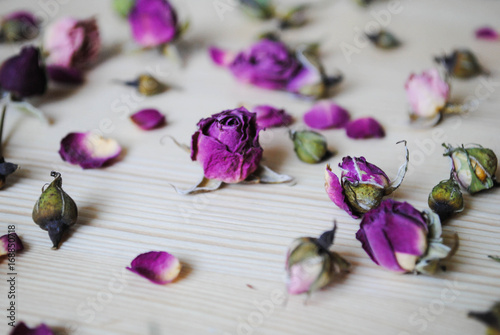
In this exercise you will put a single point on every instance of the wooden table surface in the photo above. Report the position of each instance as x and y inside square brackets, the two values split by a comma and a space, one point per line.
[232, 242]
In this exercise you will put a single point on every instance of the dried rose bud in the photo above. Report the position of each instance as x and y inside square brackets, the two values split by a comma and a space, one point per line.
[6, 169]
[446, 199]
[259, 9]
[310, 265]
[362, 185]
[22, 329]
[473, 167]
[294, 17]
[461, 64]
[159, 267]
[55, 211]
[310, 146]
[428, 95]
[147, 85]
[399, 238]
[24, 75]
[18, 26]
[10, 243]
[384, 40]
[490, 318]
[123, 7]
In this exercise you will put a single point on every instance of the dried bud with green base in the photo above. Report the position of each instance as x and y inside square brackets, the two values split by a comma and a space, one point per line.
[309, 146]
[473, 167]
[258, 9]
[55, 211]
[490, 318]
[461, 64]
[446, 199]
[384, 40]
[147, 85]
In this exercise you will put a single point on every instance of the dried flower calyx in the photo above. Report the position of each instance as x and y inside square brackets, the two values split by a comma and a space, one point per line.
[446, 199]
[461, 64]
[55, 211]
[310, 265]
[490, 318]
[474, 167]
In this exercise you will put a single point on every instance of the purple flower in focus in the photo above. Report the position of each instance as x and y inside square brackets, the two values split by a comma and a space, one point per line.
[269, 117]
[227, 145]
[326, 115]
[159, 267]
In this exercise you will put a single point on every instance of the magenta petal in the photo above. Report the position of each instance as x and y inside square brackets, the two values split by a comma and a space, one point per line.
[487, 33]
[153, 22]
[221, 57]
[335, 191]
[148, 119]
[10, 243]
[326, 115]
[364, 128]
[159, 267]
[22, 329]
[88, 150]
[268, 117]
[64, 75]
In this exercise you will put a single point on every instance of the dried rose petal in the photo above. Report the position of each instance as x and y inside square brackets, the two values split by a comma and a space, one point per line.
[268, 117]
[159, 267]
[221, 57]
[326, 115]
[364, 128]
[148, 119]
[335, 191]
[153, 22]
[64, 75]
[22, 329]
[88, 150]
[487, 33]
[10, 243]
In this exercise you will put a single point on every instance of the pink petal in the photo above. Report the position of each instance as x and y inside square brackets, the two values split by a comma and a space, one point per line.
[326, 115]
[10, 243]
[88, 150]
[335, 191]
[487, 33]
[268, 117]
[22, 329]
[148, 119]
[159, 267]
[364, 128]
[221, 57]
[300, 279]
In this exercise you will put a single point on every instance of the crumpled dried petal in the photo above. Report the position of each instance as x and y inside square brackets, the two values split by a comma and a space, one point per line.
[22, 329]
[326, 115]
[220, 56]
[10, 243]
[18, 26]
[153, 22]
[159, 267]
[487, 33]
[65, 75]
[148, 119]
[88, 150]
[364, 128]
[269, 117]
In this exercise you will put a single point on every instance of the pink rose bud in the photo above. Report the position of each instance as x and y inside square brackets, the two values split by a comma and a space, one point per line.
[159, 267]
[326, 115]
[398, 237]
[428, 94]
[269, 117]
[153, 22]
[362, 185]
[227, 145]
[10, 243]
[72, 43]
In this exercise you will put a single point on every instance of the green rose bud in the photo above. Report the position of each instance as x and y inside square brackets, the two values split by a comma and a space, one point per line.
[446, 199]
[490, 318]
[147, 85]
[384, 40]
[461, 64]
[55, 211]
[473, 167]
[309, 146]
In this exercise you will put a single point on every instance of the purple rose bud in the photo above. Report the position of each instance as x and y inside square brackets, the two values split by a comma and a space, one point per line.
[153, 22]
[227, 145]
[362, 185]
[148, 119]
[72, 43]
[24, 75]
[22, 329]
[364, 128]
[159, 267]
[487, 33]
[269, 117]
[10, 243]
[267, 64]
[18, 26]
[400, 238]
[326, 115]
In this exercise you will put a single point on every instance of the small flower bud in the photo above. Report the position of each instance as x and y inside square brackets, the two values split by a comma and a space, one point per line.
[384, 40]
[147, 85]
[473, 167]
[258, 9]
[490, 318]
[309, 146]
[461, 64]
[446, 199]
[55, 211]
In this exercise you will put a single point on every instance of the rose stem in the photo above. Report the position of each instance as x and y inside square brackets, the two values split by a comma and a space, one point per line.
[1, 129]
